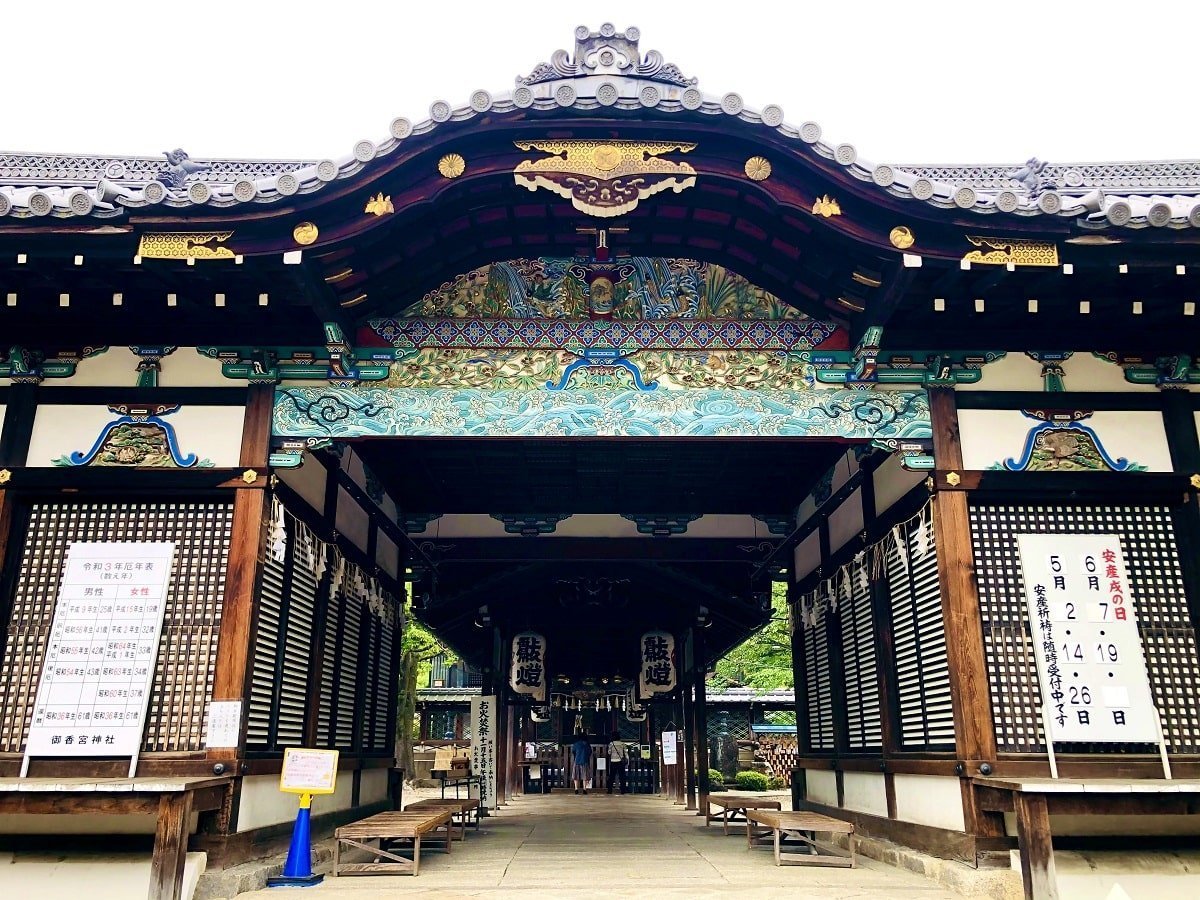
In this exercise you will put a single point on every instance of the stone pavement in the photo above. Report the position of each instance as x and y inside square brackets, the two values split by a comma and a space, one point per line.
[603, 846]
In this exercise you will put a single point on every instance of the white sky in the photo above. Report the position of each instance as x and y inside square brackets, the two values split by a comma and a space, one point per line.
[937, 82]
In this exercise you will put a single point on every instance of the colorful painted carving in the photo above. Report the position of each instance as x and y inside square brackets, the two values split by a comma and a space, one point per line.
[1062, 443]
[137, 437]
[721, 412]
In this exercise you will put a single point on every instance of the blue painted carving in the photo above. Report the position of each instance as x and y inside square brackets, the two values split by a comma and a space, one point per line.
[139, 436]
[531, 526]
[1063, 443]
[694, 412]
[601, 358]
[661, 526]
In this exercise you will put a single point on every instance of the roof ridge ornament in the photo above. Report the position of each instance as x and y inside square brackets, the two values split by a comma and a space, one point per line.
[607, 52]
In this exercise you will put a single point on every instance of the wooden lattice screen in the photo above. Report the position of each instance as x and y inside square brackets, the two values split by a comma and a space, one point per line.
[187, 649]
[1148, 540]
[919, 641]
[864, 717]
[818, 680]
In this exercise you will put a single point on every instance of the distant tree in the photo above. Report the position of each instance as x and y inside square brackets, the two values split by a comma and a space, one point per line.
[764, 660]
[418, 647]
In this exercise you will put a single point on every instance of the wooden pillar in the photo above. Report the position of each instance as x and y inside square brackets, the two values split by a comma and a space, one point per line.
[1037, 851]
[170, 846]
[232, 670]
[974, 727]
[689, 740]
[699, 658]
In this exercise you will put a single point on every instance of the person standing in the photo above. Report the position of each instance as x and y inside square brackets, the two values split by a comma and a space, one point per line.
[618, 754]
[581, 757]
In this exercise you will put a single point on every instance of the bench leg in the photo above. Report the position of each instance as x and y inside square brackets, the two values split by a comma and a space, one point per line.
[416, 854]
[170, 846]
[1037, 850]
[337, 855]
[778, 861]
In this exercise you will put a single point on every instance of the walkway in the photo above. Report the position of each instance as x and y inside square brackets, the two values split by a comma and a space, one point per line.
[603, 846]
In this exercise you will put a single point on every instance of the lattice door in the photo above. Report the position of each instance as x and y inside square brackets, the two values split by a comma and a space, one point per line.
[1148, 540]
[187, 649]
[818, 680]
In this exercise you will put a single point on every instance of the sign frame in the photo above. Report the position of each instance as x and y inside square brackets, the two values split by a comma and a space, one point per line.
[294, 757]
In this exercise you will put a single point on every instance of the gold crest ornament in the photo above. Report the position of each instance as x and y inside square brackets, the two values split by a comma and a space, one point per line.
[953, 479]
[5, 476]
[902, 237]
[452, 165]
[305, 233]
[758, 168]
[1195, 480]
[249, 476]
[379, 205]
[825, 206]
[185, 245]
[605, 178]
[1017, 251]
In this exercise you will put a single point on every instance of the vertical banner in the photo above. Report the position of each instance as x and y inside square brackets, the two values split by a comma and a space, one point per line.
[528, 672]
[483, 748]
[1083, 625]
[99, 667]
[656, 675]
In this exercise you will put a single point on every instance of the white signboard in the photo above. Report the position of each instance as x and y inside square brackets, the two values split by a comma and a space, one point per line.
[483, 748]
[528, 672]
[224, 724]
[657, 672]
[99, 666]
[669, 757]
[1085, 638]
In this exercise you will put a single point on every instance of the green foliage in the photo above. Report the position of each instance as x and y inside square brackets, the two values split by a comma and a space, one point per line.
[716, 781]
[418, 646]
[764, 660]
[752, 781]
[775, 783]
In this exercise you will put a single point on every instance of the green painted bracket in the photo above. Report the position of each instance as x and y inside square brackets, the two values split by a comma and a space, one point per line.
[902, 367]
[1163, 371]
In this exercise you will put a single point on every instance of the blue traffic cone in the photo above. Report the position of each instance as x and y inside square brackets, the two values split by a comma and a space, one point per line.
[297, 871]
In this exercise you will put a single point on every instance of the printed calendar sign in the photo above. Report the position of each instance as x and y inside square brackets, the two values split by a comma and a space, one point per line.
[1085, 638]
[99, 666]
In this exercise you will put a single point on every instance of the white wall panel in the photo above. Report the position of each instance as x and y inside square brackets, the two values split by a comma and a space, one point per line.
[352, 521]
[865, 792]
[846, 521]
[893, 482]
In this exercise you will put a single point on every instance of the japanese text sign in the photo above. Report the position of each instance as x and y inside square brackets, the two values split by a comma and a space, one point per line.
[483, 747]
[528, 672]
[99, 667]
[669, 754]
[657, 672]
[1085, 637]
[308, 771]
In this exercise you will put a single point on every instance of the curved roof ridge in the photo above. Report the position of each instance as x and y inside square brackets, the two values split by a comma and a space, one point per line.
[607, 70]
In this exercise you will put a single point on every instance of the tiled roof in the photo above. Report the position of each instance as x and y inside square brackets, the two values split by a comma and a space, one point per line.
[608, 71]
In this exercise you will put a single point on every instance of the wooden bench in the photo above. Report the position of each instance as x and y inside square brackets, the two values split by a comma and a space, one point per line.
[1034, 800]
[733, 809]
[388, 829]
[787, 827]
[465, 809]
[173, 800]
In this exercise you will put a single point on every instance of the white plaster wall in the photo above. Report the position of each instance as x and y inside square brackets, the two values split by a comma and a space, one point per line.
[352, 520]
[1127, 875]
[1015, 372]
[994, 435]
[821, 786]
[846, 521]
[807, 555]
[187, 368]
[807, 507]
[262, 803]
[116, 367]
[843, 469]
[354, 467]
[387, 555]
[111, 875]
[865, 792]
[211, 432]
[892, 482]
[373, 786]
[2, 408]
[1085, 372]
[929, 800]
[308, 481]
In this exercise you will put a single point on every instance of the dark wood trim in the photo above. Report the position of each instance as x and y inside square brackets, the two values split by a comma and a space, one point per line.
[940, 842]
[117, 480]
[551, 548]
[20, 409]
[1072, 399]
[170, 846]
[799, 672]
[877, 763]
[974, 727]
[1081, 803]
[1037, 850]
[702, 755]
[1179, 418]
[1050, 487]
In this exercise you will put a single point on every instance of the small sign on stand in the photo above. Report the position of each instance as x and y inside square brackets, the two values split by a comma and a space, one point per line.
[305, 772]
